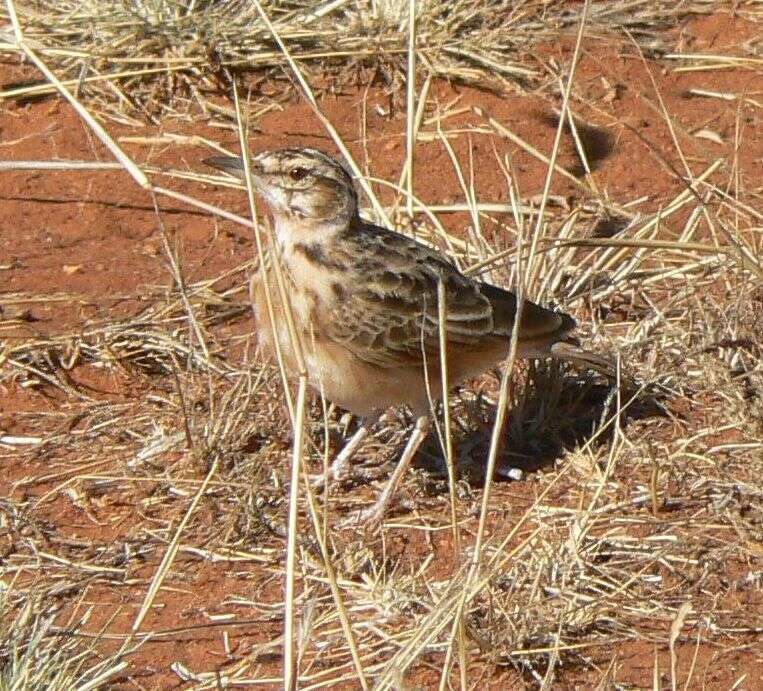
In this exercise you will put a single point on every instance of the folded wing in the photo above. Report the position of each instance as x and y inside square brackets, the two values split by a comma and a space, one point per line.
[391, 319]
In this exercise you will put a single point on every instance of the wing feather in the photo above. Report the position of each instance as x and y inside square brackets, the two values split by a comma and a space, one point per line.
[391, 318]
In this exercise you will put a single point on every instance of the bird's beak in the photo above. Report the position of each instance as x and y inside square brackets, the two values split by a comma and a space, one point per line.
[233, 165]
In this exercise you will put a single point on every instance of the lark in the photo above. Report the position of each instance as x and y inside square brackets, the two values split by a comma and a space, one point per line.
[364, 305]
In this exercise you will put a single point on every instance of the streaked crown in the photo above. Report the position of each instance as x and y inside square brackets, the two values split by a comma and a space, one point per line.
[302, 183]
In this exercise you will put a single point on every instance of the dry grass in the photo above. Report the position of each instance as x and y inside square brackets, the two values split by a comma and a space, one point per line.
[29, 660]
[150, 59]
[640, 525]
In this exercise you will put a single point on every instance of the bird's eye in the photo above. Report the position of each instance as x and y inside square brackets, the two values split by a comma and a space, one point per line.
[298, 173]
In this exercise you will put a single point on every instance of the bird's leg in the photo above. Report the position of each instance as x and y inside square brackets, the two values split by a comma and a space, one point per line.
[340, 467]
[374, 515]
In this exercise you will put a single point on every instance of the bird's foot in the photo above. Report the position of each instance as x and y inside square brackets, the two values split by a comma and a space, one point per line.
[369, 518]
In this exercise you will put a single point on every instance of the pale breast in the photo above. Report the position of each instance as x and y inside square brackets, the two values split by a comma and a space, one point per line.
[264, 295]
[303, 294]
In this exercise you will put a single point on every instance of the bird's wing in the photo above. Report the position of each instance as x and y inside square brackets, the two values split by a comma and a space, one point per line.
[390, 319]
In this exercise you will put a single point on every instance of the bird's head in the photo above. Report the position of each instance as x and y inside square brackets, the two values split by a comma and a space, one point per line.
[298, 184]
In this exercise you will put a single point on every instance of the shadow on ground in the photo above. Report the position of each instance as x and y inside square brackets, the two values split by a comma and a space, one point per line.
[553, 412]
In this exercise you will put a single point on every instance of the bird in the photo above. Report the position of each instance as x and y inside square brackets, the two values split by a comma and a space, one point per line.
[364, 303]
